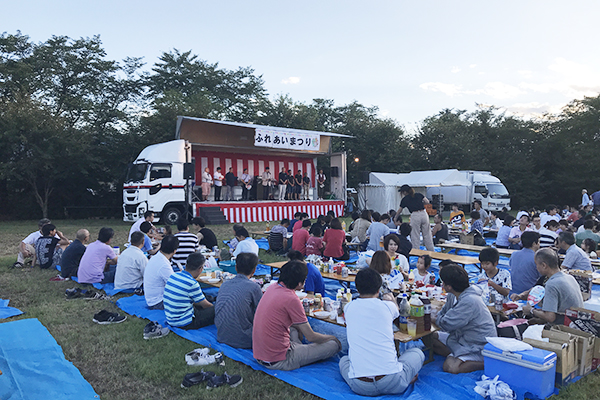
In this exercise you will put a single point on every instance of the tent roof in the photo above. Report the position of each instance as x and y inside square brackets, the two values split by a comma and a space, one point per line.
[444, 177]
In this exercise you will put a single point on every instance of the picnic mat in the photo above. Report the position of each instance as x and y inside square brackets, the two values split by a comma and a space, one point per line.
[7, 312]
[34, 366]
[322, 379]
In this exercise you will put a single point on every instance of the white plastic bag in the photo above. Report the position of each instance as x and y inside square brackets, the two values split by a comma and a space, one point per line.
[508, 344]
[494, 388]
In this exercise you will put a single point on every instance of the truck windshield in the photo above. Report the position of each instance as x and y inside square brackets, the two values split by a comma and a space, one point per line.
[136, 172]
[497, 191]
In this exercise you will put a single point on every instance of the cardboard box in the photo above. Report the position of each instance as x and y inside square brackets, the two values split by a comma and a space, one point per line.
[585, 345]
[587, 321]
[563, 344]
[584, 279]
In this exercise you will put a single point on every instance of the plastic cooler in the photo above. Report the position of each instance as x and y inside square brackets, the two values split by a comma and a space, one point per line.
[529, 371]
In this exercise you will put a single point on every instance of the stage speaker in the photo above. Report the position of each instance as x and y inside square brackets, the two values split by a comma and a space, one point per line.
[335, 172]
[189, 170]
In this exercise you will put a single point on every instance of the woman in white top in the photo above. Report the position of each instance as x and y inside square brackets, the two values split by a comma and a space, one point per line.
[206, 183]
[391, 243]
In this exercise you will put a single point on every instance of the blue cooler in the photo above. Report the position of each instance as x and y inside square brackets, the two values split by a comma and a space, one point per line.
[529, 371]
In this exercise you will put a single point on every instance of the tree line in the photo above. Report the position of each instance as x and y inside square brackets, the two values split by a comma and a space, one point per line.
[71, 120]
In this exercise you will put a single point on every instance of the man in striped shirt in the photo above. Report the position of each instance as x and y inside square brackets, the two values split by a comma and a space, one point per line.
[188, 244]
[185, 304]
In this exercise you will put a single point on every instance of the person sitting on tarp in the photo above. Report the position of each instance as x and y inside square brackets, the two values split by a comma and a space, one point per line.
[185, 304]
[131, 264]
[27, 245]
[97, 257]
[314, 280]
[245, 243]
[48, 251]
[457, 217]
[575, 257]
[561, 290]
[236, 304]
[440, 230]
[280, 322]
[465, 322]
[71, 257]
[145, 228]
[157, 273]
[371, 367]
[205, 235]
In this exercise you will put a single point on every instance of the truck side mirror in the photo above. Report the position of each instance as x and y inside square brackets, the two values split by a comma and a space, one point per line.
[155, 189]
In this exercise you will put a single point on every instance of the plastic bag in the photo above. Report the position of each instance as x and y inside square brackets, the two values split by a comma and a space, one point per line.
[508, 344]
[364, 259]
[485, 291]
[494, 388]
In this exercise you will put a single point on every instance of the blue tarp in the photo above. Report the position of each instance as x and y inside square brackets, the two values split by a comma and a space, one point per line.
[7, 312]
[322, 379]
[34, 366]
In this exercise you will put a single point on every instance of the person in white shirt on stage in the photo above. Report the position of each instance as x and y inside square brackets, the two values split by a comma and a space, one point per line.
[206, 183]
[218, 181]
[246, 184]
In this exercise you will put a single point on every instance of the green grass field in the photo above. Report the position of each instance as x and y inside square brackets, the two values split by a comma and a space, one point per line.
[115, 359]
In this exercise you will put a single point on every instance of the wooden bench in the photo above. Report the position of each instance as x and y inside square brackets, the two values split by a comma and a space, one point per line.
[447, 246]
[464, 260]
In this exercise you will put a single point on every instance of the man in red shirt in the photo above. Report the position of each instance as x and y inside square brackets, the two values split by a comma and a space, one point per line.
[280, 322]
[301, 236]
[298, 223]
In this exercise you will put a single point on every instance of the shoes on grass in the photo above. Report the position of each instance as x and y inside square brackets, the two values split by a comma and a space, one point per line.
[58, 278]
[154, 330]
[89, 295]
[201, 357]
[195, 378]
[105, 318]
[224, 380]
[139, 291]
[77, 293]
[17, 265]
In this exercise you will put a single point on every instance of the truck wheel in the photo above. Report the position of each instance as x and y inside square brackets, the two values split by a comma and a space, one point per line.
[170, 216]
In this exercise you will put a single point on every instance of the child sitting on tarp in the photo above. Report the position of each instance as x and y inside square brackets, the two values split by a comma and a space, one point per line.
[47, 251]
[498, 280]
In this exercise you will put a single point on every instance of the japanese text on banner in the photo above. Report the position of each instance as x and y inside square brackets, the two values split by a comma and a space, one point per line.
[286, 140]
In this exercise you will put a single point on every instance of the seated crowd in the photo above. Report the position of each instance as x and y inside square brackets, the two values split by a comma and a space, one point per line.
[274, 324]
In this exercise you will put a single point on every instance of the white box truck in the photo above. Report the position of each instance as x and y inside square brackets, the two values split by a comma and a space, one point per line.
[481, 185]
[442, 188]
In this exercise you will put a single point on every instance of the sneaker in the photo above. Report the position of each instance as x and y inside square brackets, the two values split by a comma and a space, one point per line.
[58, 278]
[154, 330]
[201, 357]
[17, 265]
[104, 318]
[195, 378]
[74, 293]
[225, 379]
[89, 295]
[139, 291]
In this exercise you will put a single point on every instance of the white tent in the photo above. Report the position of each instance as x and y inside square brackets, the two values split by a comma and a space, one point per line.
[381, 193]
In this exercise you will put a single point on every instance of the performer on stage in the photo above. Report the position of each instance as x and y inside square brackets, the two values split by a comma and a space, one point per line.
[289, 189]
[267, 182]
[246, 184]
[297, 185]
[206, 183]
[321, 184]
[218, 181]
[305, 186]
[283, 179]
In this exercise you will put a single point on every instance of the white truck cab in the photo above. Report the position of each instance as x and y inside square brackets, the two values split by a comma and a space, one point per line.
[155, 182]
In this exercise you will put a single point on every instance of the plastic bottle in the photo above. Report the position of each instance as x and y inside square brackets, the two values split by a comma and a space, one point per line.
[411, 277]
[267, 227]
[344, 226]
[404, 311]
[330, 264]
[348, 295]
[339, 295]
[426, 313]
[417, 312]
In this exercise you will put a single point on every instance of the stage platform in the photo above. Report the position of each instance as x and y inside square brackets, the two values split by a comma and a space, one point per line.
[271, 210]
